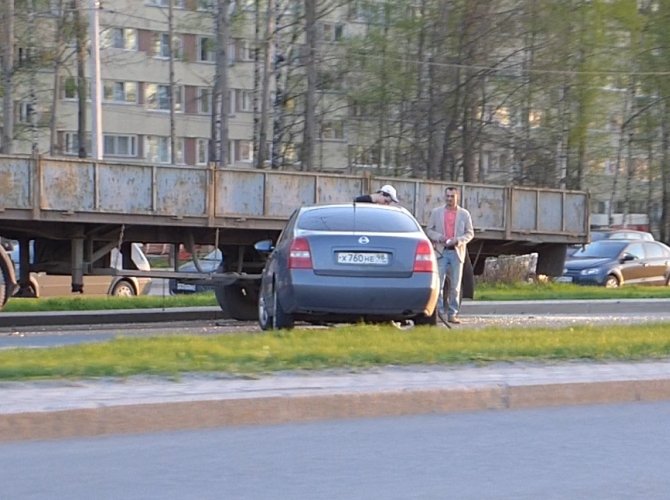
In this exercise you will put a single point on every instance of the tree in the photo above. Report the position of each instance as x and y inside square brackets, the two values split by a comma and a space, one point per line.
[309, 123]
[7, 140]
[220, 93]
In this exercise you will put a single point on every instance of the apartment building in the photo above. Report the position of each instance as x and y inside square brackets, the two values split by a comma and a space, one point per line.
[135, 72]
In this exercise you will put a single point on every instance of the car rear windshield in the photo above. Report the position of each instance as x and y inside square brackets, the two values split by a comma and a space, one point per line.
[350, 218]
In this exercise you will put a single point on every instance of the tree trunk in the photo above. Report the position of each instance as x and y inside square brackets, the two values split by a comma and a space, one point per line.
[257, 76]
[278, 104]
[268, 50]
[309, 123]
[7, 140]
[218, 144]
[59, 41]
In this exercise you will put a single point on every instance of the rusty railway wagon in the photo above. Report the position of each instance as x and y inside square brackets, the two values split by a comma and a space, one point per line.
[76, 211]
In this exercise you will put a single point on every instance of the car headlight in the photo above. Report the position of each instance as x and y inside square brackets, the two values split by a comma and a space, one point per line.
[590, 271]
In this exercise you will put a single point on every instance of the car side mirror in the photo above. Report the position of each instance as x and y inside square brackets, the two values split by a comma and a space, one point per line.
[627, 257]
[264, 246]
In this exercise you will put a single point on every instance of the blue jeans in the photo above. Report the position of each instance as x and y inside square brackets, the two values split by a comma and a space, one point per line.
[449, 263]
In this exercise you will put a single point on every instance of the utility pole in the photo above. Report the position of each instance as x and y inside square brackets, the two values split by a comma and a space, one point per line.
[96, 92]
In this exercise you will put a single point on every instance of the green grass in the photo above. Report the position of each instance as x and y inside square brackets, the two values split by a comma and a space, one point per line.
[103, 303]
[352, 347]
[567, 291]
[521, 291]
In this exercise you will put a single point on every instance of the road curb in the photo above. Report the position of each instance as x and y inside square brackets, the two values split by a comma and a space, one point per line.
[269, 410]
[69, 318]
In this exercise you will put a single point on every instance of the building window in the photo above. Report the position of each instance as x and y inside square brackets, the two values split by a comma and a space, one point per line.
[243, 101]
[332, 32]
[206, 5]
[245, 151]
[120, 145]
[289, 153]
[158, 97]
[24, 111]
[125, 92]
[70, 88]
[332, 130]
[157, 149]
[120, 38]
[204, 100]
[24, 55]
[202, 151]
[179, 4]
[206, 49]
[71, 143]
[162, 46]
[241, 50]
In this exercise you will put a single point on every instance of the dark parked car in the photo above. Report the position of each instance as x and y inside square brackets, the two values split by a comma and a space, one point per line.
[621, 234]
[208, 264]
[348, 263]
[614, 234]
[613, 263]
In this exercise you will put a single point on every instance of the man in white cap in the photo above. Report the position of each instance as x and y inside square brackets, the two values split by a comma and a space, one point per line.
[384, 196]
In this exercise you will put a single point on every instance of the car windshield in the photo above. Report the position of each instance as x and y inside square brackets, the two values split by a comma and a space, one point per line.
[358, 218]
[601, 249]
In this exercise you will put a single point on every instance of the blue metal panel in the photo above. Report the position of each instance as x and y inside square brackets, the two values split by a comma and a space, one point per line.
[486, 205]
[550, 211]
[15, 183]
[576, 213]
[68, 186]
[124, 188]
[239, 193]
[181, 191]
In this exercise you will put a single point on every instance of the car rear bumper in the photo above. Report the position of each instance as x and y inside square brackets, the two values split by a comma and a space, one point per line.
[369, 297]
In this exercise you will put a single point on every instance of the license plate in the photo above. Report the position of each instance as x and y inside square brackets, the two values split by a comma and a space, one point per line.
[187, 287]
[367, 258]
[564, 279]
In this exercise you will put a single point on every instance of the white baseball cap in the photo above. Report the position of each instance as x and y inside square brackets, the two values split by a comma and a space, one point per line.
[389, 190]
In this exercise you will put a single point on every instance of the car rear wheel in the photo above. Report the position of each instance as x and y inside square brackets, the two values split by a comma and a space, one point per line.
[238, 301]
[282, 320]
[123, 289]
[612, 282]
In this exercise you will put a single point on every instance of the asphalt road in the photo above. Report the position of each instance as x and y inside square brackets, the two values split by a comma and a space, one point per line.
[596, 452]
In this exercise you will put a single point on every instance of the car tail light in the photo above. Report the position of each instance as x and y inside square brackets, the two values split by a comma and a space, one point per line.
[300, 256]
[423, 261]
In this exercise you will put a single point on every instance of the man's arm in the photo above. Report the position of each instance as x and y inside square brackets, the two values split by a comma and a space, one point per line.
[364, 198]
[469, 230]
[433, 229]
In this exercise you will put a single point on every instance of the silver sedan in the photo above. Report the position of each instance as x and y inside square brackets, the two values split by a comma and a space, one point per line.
[348, 263]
